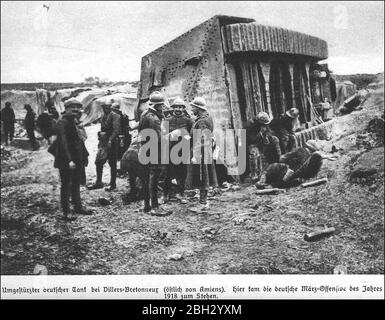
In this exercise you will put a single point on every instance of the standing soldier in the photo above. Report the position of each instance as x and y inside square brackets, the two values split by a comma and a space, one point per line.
[285, 129]
[151, 119]
[71, 157]
[201, 173]
[29, 124]
[124, 133]
[8, 122]
[180, 124]
[108, 147]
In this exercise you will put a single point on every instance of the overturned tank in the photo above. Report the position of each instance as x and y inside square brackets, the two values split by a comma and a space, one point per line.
[241, 68]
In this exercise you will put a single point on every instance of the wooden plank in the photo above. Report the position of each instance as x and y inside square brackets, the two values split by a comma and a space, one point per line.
[257, 89]
[248, 89]
[233, 94]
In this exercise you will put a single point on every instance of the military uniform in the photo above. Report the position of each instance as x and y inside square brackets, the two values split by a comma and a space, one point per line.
[70, 147]
[8, 120]
[108, 148]
[151, 119]
[269, 146]
[297, 164]
[179, 171]
[285, 128]
[29, 124]
[201, 175]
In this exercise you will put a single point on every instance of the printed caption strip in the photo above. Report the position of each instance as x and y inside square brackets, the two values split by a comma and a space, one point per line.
[200, 287]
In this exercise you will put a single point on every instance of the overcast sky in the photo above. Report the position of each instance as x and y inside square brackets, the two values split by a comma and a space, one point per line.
[73, 40]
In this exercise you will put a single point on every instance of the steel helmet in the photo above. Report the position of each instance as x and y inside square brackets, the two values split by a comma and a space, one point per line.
[263, 118]
[72, 101]
[312, 145]
[156, 98]
[292, 113]
[115, 106]
[178, 102]
[200, 103]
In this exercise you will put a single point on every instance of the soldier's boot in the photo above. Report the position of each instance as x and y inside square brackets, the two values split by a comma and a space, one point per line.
[99, 174]
[203, 200]
[253, 160]
[113, 179]
[67, 215]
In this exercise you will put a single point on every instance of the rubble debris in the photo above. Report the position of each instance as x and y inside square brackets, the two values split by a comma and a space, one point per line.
[160, 234]
[191, 193]
[175, 257]
[40, 270]
[254, 206]
[225, 186]
[161, 213]
[209, 230]
[104, 201]
[39, 203]
[235, 188]
[376, 126]
[362, 172]
[340, 270]
[11, 254]
[317, 235]
[364, 176]
[239, 220]
[269, 191]
[314, 183]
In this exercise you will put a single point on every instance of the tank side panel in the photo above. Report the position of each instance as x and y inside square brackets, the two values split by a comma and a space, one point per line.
[211, 85]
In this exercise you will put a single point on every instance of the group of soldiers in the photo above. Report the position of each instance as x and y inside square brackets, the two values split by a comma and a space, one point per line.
[273, 157]
[71, 155]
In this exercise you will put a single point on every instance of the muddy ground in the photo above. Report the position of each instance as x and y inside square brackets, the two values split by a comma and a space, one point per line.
[242, 234]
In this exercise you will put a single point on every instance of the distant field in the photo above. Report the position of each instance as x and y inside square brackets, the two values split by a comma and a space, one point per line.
[56, 86]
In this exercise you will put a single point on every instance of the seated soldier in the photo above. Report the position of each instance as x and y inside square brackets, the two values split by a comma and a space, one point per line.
[300, 164]
[266, 140]
[252, 128]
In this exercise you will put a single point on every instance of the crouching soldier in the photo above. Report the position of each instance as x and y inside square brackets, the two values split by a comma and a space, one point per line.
[266, 141]
[285, 129]
[255, 166]
[201, 172]
[130, 164]
[293, 167]
[180, 124]
[71, 157]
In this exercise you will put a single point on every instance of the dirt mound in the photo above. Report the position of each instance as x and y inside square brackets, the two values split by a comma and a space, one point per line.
[18, 99]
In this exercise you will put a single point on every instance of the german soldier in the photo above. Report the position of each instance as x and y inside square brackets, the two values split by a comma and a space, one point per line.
[285, 128]
[71, 156]
[108, 147]
[151, 119]
[299, 164]
[8, 120]
[29, 124]
[201, 173]
[180, 124]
